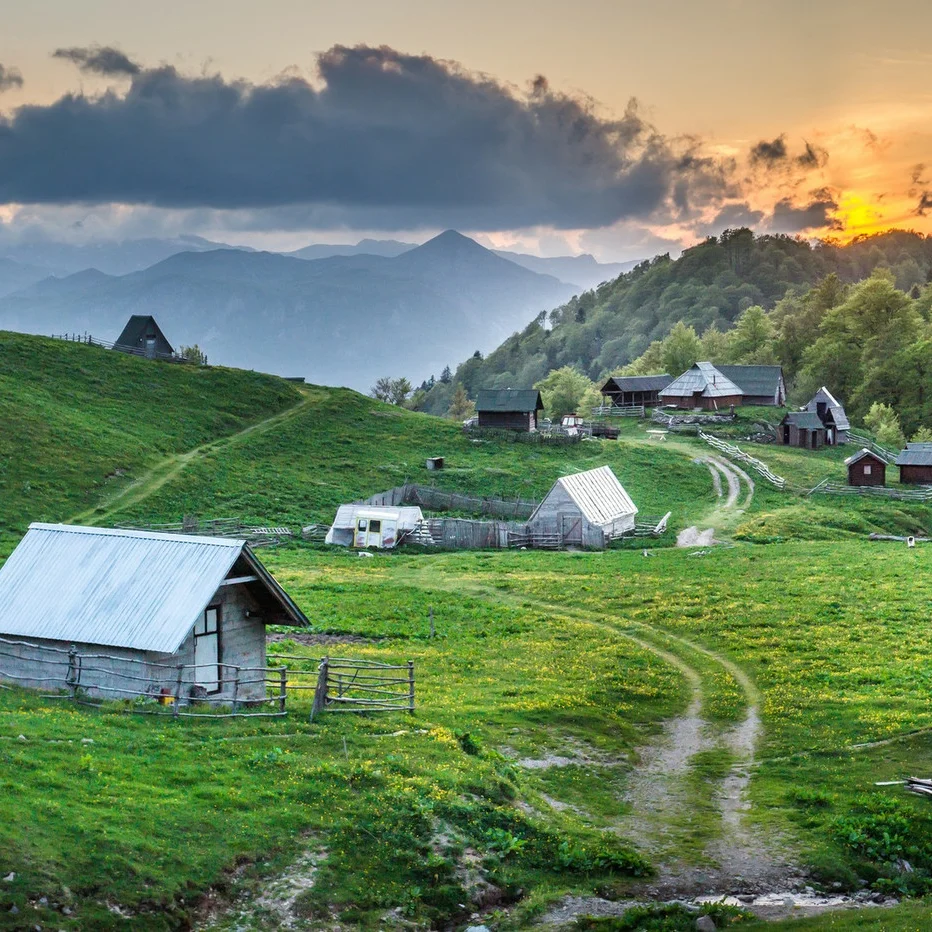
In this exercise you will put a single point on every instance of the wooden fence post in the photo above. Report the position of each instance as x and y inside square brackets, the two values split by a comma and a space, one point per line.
[283, 682]
[73, 676]
[411, 686]
[177, 708]
[235, 690]
[320, 693]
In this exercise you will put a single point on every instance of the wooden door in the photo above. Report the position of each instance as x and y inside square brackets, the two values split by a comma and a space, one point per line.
[207, 650]
[571, 529]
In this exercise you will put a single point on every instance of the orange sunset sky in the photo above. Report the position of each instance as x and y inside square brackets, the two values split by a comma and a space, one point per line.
[838, 93]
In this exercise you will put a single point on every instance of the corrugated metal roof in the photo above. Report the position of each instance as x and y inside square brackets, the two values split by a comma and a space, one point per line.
[133, 589]
[807, 420]
[915, 454]
[599, 495]
[754, 380]
[861, 454]
[407, 516]
[637, 383]
[509, 399]
[704, 379]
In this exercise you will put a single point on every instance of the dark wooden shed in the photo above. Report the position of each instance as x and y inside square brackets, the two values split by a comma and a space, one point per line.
[832, 414]
[142, 336]
[802, 429]
[915, 464]
[866, 468]
[508, 408]
[634, 390]
[760, 385]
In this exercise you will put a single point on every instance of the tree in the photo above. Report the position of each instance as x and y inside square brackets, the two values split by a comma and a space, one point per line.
[714, 345]
[461, 407]
[681, 349]
[567, 391]
[382, 390]
[923, 435]
[751, 340]
[193, 354]
[446, 376]
[649, 363]
[883, 421]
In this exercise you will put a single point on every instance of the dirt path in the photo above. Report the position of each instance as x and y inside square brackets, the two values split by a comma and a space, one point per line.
[172, 466]
[724, 515]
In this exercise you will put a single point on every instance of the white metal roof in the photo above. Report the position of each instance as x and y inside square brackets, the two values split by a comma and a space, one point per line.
[407, 516]
[703, 378]
[133, 589]
[600, 496]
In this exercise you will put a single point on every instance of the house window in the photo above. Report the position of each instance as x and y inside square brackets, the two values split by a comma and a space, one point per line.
[207, 650]
[375, 526]
[867, 469]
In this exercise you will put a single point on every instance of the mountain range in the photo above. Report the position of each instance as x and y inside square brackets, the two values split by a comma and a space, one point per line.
[339, 320]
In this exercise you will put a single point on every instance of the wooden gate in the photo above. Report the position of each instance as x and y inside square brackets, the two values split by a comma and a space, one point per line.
[571, 529]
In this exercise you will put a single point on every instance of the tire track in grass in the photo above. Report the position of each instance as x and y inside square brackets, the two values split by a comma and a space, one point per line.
[172, 466]
[668, 785]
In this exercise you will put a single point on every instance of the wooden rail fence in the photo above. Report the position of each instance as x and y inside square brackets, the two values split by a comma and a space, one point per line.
[88, 340]
[738, 454]
[827, 487]
[435, 499]
[363, 686]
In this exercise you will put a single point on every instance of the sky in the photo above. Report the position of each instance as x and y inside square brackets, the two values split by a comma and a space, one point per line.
[618, 128]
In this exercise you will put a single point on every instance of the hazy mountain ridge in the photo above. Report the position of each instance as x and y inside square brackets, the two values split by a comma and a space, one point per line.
[339, 320]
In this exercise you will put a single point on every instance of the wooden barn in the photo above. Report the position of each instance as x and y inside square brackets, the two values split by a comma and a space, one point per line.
[760, 385]
[634, 390]
[509, 408]
[832, 414]
[801, 429]
[142, 336]
[702, 386]
[866, 468]
[587, 509]
[915, 464]
[143, 605]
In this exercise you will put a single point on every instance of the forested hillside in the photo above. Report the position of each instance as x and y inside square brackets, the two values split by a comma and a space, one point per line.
[706, 291]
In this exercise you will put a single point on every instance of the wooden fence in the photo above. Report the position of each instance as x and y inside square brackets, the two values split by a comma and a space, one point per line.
[232, 528]
[428, 496]
[827, 487]
[618, 411]
[886, 455]
[736, 453]
[363, 686]
[147, 688]
[88, 340]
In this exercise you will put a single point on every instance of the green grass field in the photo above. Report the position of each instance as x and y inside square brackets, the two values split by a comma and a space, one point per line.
[583, 718]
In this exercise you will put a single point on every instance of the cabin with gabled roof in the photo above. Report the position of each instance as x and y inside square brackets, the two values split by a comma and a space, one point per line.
[509, 408]
[703, 386]
[586, 509]
[832, 414]
[915, 463]
[142, 336]
[866, 468]
[760, 385]
[801, 429]
[624, 391]
[154, 611]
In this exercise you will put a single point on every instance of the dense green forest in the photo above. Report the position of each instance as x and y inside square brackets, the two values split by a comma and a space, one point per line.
[814, 308]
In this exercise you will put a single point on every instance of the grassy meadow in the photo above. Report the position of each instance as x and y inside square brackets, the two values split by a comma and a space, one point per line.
[552, 680]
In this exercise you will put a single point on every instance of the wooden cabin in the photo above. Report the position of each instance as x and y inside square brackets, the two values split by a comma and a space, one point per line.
[143, 604]
[142, 336]
[866, 468]
[634, 390]
[801, 429]
[509, 408]
[915, 463]
[703, 386]
[587, 509]
[832, 414]
[760, 385]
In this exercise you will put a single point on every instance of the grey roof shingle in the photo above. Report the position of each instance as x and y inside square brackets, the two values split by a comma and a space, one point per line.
[915, 454]
[637, 383]
[864, 453]
[522, 400]
[754, 380]
[805, 420]
[703, 379]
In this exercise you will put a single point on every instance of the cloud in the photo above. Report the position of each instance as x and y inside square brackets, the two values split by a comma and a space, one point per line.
[99, 59]
[769, 152]
[9, 78]
[774, 154]
[924, 207]
[732, 217]
[815, 215]
[381, 140]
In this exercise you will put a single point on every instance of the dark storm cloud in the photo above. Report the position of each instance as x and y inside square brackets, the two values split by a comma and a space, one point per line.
[733, 217]
[817, 214]
[924, 206]
[382, 135]
[774, 154]
[99, 59]
[9, 78]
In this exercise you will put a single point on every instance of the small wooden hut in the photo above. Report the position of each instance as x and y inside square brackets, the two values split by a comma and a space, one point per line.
[832, 414]
[586, 509]
[509, 408]
[142, 336]
[915, 464]
[866, 468]
[802, 429]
